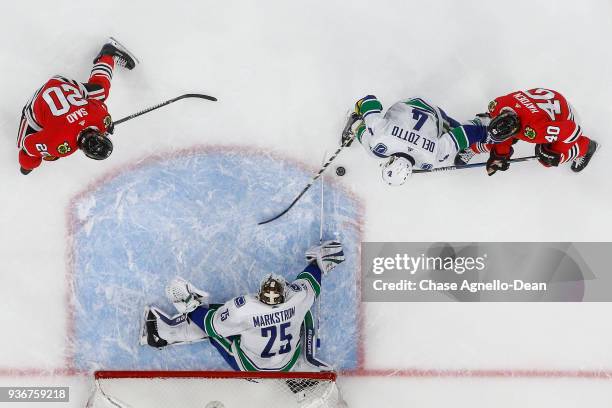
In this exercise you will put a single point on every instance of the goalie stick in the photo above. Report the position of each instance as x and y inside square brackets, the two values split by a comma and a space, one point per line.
[162, 104]
[469, 166]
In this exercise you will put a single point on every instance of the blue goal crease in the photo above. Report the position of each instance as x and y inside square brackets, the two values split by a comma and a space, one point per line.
[196, 217]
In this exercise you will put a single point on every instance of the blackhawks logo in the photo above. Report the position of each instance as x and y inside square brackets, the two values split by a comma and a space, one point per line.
[492, 105]
[530, 133]
[64, 148]
[107, 121]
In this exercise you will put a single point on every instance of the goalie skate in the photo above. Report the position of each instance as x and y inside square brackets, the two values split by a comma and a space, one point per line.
[159, 330]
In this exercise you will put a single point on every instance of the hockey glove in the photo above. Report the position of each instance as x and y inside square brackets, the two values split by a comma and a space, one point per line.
[184, 296]
[368, 104]
[546, 156]
[327, 255]
[499, 162]
[348, 133]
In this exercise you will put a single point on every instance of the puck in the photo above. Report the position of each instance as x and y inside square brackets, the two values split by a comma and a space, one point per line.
[340, 171]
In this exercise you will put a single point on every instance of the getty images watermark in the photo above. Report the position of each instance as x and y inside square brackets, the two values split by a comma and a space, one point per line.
[485, 272]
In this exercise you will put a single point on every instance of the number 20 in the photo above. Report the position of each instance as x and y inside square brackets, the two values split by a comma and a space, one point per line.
[59, 102]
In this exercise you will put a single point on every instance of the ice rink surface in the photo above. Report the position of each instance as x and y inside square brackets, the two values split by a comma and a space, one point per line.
[285, 74]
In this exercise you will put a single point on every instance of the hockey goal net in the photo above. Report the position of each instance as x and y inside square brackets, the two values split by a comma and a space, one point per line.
[214, 389]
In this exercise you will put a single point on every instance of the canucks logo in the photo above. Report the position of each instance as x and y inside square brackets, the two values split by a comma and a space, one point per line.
[530, 133]
[64, 148]
[492, 105]
[239, 301]
[380, 149]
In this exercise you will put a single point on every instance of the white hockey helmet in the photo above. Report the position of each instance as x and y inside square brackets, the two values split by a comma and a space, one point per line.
[397, 169]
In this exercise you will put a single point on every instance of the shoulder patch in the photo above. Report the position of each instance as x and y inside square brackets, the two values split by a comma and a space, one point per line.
[492, 106]
[530, 133]
[239, 301]
[64, 148]
[380, 149]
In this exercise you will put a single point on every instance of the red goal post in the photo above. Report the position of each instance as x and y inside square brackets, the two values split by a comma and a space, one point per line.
[214, 389]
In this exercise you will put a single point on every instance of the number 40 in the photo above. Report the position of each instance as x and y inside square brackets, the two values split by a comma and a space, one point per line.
[552, 134]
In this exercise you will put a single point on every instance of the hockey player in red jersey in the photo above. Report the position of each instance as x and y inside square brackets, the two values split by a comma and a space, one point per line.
[65, 115]
[540, 116]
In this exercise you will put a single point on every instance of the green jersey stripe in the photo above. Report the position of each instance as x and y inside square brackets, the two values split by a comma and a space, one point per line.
[210, 329]
[313, 282]
[360, 131]
[459, 137]
[419, 103]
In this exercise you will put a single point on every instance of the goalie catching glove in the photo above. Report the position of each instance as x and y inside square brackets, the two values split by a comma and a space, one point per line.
[327, 255]
[184, 296]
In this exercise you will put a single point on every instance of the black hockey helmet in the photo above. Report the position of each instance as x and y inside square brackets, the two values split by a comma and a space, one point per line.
[504, 126]
[272, 290]
[95, 144]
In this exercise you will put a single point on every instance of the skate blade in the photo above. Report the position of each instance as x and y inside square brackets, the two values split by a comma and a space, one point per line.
[143, 327]
[123, 48]
[591, 161]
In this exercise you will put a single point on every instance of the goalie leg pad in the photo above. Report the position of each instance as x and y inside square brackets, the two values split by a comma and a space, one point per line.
[160, 330]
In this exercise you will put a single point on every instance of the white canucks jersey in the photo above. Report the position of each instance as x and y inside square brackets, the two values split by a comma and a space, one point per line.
[413, 127]
[269, 336]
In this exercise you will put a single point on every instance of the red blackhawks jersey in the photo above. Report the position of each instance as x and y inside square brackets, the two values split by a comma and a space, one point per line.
[545, 115]
[53, 119]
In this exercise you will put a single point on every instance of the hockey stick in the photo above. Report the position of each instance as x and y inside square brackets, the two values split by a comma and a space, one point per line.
[347, 139]
[469, 166]
[321, 221]
[315, 178]
[162, 104]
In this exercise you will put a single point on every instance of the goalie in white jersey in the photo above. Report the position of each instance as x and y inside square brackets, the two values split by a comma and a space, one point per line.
[260, 332]
[412, 134]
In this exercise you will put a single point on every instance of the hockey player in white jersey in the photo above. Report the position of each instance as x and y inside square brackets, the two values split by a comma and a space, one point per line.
[413, 133]
[259, 332]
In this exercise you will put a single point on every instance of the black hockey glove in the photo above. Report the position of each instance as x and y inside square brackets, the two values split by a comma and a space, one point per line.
[499, 162]
[546, 156]
[25, 172]
[347, 133]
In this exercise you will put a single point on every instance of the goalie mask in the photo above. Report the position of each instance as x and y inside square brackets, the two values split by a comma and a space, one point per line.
[272, 290]
[95, 144]
[504, 126]
[396, 170]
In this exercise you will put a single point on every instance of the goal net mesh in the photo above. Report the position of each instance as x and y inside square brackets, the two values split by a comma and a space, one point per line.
[214, 389]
